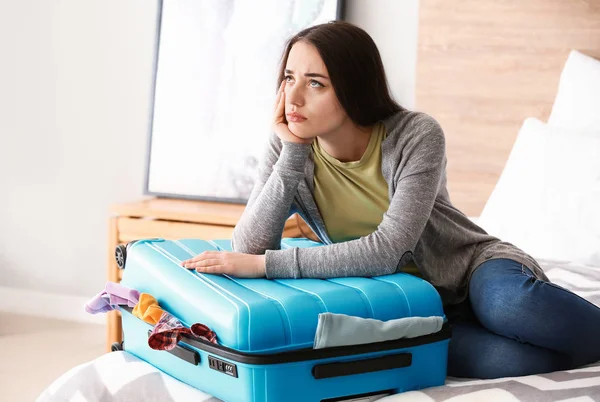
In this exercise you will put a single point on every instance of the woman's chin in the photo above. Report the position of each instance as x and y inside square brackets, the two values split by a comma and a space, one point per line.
[298, 130]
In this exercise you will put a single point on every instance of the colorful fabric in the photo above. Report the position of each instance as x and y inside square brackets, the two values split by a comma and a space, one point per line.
[169, 330]
[148, 309]
[113, 295]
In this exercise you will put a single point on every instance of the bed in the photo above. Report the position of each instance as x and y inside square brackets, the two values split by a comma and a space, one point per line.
[120, 376]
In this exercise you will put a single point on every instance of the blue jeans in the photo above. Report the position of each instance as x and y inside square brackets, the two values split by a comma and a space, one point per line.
[513, 324]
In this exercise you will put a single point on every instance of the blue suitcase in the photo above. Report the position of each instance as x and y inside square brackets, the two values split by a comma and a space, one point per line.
[266, 329]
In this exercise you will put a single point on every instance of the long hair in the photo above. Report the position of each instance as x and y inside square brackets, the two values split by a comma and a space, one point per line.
[355, 70]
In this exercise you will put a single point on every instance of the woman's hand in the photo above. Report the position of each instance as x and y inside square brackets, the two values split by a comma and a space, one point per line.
[280, 126]
[226, 262]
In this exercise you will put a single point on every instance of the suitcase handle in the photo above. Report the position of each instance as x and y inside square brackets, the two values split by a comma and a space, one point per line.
[329, 370]
[185, 354]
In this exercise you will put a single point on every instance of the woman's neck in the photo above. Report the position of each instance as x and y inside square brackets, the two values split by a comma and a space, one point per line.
[348, 143]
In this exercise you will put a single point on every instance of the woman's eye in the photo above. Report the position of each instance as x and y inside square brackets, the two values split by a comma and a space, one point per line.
[312, 83]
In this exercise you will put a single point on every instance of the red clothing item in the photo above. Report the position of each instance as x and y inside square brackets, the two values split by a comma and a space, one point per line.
[169, 330]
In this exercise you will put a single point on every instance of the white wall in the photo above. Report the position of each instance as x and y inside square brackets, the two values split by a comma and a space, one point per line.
[393, 26]
[75, 79]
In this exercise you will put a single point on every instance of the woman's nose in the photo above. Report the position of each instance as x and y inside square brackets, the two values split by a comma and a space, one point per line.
[293, 94]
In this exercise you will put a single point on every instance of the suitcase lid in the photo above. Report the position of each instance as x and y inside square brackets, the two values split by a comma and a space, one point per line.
[262, 315]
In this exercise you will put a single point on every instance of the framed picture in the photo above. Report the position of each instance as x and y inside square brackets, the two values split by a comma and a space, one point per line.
[216, 65]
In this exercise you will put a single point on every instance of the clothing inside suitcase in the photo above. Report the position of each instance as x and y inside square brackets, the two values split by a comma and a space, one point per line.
[266, 329]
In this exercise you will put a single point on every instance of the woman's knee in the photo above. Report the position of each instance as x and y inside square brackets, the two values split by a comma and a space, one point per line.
[500, 293]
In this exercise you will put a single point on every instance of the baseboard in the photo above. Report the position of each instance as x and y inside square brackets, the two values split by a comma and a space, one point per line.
[47, 305]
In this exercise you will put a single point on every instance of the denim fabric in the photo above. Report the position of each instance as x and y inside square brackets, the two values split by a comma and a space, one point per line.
[513, 324]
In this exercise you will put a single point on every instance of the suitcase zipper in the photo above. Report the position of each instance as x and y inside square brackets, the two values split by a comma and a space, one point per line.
[307, 354]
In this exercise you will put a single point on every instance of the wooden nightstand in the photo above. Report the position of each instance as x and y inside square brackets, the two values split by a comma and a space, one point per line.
[174, 219]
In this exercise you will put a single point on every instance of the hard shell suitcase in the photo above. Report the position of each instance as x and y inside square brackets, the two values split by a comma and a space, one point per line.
[266, 329]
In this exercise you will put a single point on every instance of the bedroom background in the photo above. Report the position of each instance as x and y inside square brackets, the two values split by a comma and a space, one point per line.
[75, 87]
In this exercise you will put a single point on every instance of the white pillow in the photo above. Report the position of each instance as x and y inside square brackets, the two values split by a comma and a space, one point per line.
[547, 200]
[577, 102]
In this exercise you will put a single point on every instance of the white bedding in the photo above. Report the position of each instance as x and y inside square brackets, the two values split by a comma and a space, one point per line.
[119, 376]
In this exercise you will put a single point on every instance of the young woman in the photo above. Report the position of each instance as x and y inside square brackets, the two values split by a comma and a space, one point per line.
[369, 177]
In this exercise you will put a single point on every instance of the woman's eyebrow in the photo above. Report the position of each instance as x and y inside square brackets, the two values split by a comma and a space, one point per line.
[307, 74]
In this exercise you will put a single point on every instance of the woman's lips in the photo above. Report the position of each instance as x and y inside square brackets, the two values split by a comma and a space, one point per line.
[295, 118]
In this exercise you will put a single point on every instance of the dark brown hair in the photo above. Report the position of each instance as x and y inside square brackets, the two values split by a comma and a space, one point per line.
[355, 70]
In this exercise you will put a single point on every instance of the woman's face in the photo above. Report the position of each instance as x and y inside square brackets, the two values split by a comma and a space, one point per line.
[308, 92]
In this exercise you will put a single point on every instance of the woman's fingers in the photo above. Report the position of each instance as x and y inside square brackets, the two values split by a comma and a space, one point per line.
[280, 105]
[205, 263]
[280, 114]
[278, 97]
[280, 102]
[202, 256]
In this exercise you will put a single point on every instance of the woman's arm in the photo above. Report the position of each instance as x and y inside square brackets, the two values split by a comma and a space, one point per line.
[270, 204]
[380, 252]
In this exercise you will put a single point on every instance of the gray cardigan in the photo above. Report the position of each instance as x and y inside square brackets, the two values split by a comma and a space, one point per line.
[421, 223]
